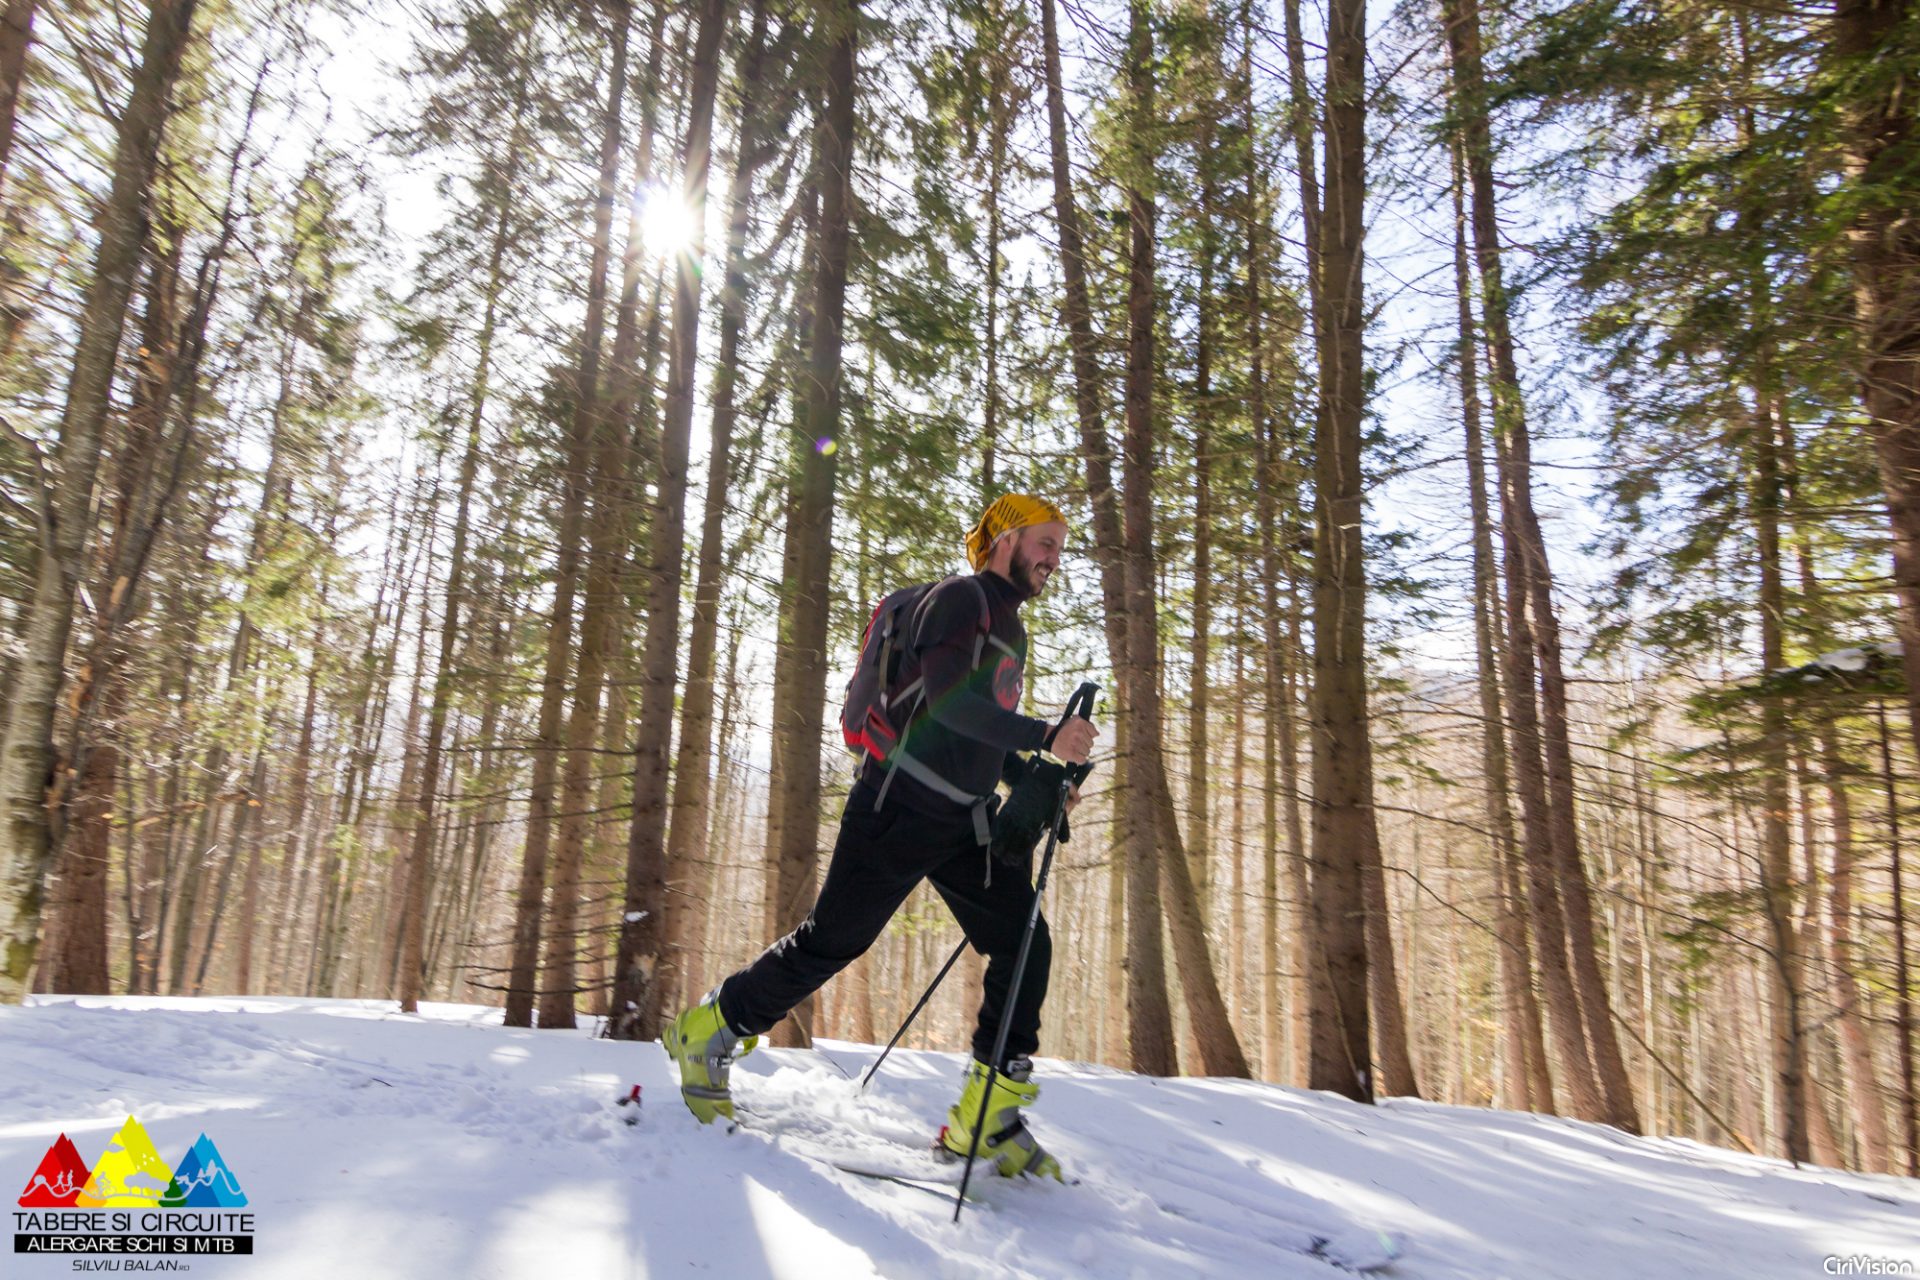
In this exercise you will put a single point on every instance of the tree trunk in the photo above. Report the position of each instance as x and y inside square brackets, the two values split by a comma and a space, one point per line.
[631, 385]
[1310, 969]
[1552, 834]
[1300, 127]
[1207, 1016]
[1882, 140]
[1237, 830]
[643, 962]
[999, 109]
[1277, 717]
[16, 33]
[265, 538]
[296, 855]
[688, 851]
[782, 914]
[74, 954]
[1766, 491]
[804, 625]
[16, 302]
[1199, 744]
[1307, 971]
[631, 414]
[247, 925]
[1150, 1026]
[1114, 1015]
[522, 982]
[1076, 314]
[716, 819]
[26, 749]
[74, 959]
[1776, 872]
[414, 920]
[1596, 1009]
[603, 483]
[246, 838]
[389, 916]
[1546, 913]
[1865, 1094]
[185, 854]
[1145, 972]
[1903, 1020]
[1383, 978]
[1529, 1083]
[1345, 839]
[369, 722]
[148, 899]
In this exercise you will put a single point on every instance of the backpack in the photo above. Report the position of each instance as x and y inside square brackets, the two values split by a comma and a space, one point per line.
[865, 720]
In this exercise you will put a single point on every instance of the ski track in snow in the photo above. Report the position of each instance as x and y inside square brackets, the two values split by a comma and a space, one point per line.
[373, 1144]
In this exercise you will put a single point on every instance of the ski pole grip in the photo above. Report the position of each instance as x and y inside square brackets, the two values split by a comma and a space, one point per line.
[1083, 699]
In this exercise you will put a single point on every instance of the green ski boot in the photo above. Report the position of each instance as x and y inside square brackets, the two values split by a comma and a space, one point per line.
[705, 1046]
[1005, 1141]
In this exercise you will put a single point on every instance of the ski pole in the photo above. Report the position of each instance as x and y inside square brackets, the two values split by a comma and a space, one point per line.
[1082, 696]
[1019, 970]
[931, 988]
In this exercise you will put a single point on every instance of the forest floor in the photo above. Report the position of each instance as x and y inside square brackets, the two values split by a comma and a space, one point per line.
[369, 1143]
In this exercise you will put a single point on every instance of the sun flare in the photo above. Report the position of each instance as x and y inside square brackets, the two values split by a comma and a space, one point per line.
[666, 224]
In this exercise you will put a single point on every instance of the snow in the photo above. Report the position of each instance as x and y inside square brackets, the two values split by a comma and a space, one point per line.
[1854, 659]
[371, 1143]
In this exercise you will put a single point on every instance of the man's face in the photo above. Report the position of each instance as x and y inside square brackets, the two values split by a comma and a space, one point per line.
[1036, 554]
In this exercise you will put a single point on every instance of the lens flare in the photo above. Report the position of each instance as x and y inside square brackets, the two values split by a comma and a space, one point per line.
[666, 224]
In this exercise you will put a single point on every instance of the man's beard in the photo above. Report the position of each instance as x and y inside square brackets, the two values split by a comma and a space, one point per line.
[1024, 576]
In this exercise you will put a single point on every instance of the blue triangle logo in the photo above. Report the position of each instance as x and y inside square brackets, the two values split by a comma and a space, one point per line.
[204, 1180]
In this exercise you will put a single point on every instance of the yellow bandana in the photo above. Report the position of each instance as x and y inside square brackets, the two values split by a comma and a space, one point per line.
[1008, 511]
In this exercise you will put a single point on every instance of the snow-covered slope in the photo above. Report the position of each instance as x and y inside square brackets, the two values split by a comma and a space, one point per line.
[373, 1144]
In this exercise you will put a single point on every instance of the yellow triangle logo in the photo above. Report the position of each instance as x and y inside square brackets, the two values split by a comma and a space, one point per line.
[130, 1175]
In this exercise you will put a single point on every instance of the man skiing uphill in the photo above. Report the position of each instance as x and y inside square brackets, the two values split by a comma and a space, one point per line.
[939, 733]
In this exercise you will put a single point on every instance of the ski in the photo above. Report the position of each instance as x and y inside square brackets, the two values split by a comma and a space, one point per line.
[931, 1164]
[1357, 1250]
[921, 1168]
[942, 1187]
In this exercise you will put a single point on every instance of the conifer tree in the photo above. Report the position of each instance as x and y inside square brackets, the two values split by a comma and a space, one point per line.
[64, 500]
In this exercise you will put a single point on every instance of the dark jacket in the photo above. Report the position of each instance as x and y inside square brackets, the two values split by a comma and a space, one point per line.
[967, 724]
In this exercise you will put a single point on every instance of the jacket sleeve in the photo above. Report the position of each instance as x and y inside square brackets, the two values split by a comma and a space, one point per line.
[945, 643]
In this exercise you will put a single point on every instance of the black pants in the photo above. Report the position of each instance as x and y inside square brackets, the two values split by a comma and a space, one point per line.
[877, 861]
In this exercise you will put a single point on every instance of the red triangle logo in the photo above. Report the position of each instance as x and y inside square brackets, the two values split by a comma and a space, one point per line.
[58, 1180]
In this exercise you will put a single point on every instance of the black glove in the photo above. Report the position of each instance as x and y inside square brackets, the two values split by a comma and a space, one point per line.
[1030, 811]
[1027, 813]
